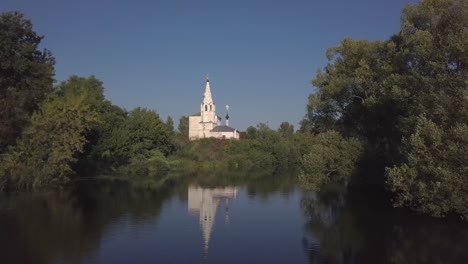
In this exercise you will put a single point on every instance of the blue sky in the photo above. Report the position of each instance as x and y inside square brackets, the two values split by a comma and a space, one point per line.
[260, 55]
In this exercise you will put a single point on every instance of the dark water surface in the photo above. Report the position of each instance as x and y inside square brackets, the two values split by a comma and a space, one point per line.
[261, 222]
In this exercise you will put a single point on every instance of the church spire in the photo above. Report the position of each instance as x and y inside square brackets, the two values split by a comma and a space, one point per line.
[207, 99]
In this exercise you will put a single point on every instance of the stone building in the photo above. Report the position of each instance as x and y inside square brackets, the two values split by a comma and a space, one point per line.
[207, 123]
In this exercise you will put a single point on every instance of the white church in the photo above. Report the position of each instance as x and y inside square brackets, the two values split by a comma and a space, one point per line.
[207, 123]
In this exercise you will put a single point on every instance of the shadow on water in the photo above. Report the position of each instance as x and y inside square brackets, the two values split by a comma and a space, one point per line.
[65, 226]
[341, 232]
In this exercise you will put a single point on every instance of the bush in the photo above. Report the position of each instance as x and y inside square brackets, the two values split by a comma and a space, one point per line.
[332, 158]
[433, 179]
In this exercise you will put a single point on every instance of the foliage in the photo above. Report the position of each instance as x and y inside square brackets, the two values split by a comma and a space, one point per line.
[286, 130]
[264, 148]
[138, 135]
[184, 125]
[433, 180]
[381, 91]
[112, 118]
[77, 131]
[281, 146]
[170, 124]
[251, 132]
[148, 170]
[331, 159]
[48, 147]
[26, 75]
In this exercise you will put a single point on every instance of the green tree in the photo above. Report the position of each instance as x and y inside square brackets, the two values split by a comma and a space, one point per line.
[381, 91]
[98, 137]
[184, 125]
[251, 132]
[431, 175]
[139, 147]
[26, 75]
[89, 87]
[142, 132]
[170, 124]
[112, 118]
[48, 147]
[331, 159]
[286, 130]
[433, 179]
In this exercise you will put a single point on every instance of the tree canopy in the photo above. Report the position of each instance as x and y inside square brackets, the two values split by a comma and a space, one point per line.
[407, 97]
[184, 125]
[48, 147]
[26, 75]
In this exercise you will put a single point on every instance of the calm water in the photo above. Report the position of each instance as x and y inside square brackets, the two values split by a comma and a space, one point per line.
[265, 221]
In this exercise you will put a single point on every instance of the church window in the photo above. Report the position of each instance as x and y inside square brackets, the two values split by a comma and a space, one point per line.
[206, 108]
[210, 107]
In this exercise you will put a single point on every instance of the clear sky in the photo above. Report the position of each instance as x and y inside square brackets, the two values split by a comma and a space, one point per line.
[261, 55]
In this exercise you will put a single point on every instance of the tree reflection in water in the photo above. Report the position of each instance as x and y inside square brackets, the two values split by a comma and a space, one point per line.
[342, 232]
[64, 227]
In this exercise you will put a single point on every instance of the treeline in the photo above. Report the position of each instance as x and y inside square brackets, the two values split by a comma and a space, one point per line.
[76, 131]
[403, 104]
[262, 148]
[51, 134]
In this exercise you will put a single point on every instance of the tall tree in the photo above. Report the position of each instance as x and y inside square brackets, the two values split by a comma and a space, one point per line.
[286, 129]
[431, 175]
[142, 132]
[111, 117]
[184, 125]
[170, 124]
[394, 93]
[49, 146]
[26, 75]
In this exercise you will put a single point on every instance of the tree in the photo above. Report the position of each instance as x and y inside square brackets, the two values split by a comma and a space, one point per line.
[251, 132]
[89, 87]
[397, 95]
[331, 159]
[26, 75]
[431, 177]
[98, 138]
[100, 154]
[170, 124]
[138, 147]
[184, 125]
[142, 132]
[286, 130]
[49, 146]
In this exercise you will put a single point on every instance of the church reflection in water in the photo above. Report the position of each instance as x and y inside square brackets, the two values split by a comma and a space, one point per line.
[205, 202]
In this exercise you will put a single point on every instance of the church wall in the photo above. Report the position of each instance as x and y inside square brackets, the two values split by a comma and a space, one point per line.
[225, 135]
[195, 128]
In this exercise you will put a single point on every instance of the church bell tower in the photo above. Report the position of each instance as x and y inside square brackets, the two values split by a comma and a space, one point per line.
[208, 109]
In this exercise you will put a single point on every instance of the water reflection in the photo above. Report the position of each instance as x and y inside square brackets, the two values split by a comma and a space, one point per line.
[67, 227]
[273, 223]
[338, 231]
[204, 202]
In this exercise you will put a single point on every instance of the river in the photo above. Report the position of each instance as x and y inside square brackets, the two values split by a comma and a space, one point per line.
[263, 221]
